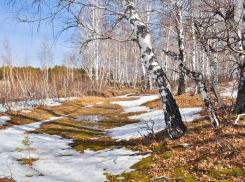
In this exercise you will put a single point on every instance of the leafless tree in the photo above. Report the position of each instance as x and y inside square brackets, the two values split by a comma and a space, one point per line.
[46, 56]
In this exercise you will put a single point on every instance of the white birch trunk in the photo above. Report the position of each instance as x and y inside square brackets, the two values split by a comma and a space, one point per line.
[180, 32]
[202, 88]
[173, 120]
[193, 60]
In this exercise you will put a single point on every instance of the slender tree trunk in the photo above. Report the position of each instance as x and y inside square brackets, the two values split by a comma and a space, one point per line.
[182, 83]
[166, 56]
[202, 88]
[240, 101]
[202, 61]
[173, 120]
[47, 85]
[179, 26]
[193, 60]
[134, 78]
[214, 71]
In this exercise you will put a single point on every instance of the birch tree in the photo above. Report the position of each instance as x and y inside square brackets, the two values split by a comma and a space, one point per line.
[173, 120]
[230, 33]
[45, 55]
[202, 88]
[176, 8]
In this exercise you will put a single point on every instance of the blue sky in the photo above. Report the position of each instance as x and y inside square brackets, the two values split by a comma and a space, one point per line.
[24, 38]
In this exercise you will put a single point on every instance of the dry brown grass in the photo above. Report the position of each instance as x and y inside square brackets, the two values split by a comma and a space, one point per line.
[183, 101]
[6, 180]
[145, 92]
[112, 93]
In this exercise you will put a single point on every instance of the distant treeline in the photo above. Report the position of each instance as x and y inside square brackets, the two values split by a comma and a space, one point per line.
[78, 73]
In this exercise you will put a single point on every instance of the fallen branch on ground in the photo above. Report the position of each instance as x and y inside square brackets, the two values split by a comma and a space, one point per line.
[238, 117]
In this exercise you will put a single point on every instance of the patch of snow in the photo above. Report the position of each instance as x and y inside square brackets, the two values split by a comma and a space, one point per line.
[139, 129]
[136, 109]
[3, 119]
[100, 103]
[186, 145]
[53, 104]
[127, 96]
[57, 161]
[26, 111]
[133, 106]
[231, 90]
[87, 106]
[189, 114]
[15, 106]
[229, 94]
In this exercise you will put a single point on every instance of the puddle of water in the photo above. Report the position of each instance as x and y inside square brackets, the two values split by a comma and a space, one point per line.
[89, 118]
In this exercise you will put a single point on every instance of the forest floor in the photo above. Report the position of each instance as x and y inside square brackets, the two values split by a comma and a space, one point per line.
[105, 139]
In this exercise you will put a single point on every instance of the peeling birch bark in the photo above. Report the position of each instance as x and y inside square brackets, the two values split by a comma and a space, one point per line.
[149, 82]
[173, 120]
[202, 88]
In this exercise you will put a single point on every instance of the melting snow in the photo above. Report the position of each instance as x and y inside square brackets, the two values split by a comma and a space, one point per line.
[3, 119]
[139, 129]
[134, 105]
[26, 111]
[87, 106]
[31, 104]
[99, 102]
[231, 90]
[59, 162]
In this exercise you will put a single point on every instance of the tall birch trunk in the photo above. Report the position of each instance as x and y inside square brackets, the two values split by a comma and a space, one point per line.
[179, 26]
[193, 60]
[96, 44]
[173, 120]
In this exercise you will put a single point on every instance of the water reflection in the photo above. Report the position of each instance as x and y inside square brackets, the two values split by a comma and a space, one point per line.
[89, 118]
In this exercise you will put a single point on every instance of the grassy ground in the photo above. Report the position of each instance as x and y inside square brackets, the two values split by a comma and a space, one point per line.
[213, 155]
[80, 131]
[6, 180]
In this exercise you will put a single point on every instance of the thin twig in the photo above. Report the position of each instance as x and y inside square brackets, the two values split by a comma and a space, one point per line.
[217, 142]
[164, 177]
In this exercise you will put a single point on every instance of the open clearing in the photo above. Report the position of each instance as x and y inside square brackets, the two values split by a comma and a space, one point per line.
[98, 139]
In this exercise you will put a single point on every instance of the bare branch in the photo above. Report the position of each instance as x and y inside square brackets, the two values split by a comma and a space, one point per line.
[41, 19]
[96, 6]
